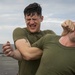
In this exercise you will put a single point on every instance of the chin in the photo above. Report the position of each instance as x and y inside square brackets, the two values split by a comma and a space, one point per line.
[33, 31]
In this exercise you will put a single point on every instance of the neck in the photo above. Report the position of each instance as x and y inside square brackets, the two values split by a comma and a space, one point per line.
[64, 40]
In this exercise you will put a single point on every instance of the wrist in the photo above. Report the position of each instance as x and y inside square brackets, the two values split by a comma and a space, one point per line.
[12, 54]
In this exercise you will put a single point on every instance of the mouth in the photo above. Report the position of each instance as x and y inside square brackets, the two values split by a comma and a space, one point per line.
[32, 26]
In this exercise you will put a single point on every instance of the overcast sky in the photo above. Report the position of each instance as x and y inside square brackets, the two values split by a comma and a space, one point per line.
[54, 12]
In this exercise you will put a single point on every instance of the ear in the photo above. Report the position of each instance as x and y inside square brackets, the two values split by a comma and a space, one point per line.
[42, 18]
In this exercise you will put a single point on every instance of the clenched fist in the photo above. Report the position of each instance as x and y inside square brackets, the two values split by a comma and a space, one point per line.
[7, 49]
[68, 26]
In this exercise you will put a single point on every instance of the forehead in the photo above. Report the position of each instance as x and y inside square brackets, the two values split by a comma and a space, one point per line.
[32, 15]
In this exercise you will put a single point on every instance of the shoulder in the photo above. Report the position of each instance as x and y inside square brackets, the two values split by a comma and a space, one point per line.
[49, 31]
[19, 33]
[18, 29]
[50, 37]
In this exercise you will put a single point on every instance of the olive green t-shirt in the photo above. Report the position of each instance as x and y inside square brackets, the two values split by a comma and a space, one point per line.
[56, 59]
[29, 67]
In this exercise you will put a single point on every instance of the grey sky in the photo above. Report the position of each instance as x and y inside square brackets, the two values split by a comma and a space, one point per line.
[54, 12]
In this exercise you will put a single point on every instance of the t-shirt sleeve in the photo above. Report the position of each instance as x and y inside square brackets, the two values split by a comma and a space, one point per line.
[42, 41]
[19, 33]
[39, 43]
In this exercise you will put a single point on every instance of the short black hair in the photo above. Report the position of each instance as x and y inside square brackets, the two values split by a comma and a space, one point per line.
[32, 9]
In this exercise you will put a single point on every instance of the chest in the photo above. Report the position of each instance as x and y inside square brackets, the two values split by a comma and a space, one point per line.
[34, 37]
[57, 57]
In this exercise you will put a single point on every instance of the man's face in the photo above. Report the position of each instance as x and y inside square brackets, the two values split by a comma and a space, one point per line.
[33, 22]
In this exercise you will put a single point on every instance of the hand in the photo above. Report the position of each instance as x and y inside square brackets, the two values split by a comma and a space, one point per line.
[68, 25]
[8, 50]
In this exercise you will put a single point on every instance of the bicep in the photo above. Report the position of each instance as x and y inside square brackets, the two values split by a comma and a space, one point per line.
[22, 43]
[28, 52]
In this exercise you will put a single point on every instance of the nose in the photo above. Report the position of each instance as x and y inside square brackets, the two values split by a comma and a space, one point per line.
[31, 22]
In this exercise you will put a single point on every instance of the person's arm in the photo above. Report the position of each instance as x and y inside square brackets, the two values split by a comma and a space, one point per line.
[19, 37]
[28, 52]
[10, 52]
[17, 55]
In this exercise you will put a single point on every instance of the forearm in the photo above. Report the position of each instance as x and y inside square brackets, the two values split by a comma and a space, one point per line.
[31, 53]
[17, 55]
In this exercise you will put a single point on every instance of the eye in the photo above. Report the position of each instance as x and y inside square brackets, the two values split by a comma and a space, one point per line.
[34, 19]
[28, 19]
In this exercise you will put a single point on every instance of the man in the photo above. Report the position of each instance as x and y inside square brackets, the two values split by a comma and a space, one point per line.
[25, 37]
[58, 53]
[32, 53]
